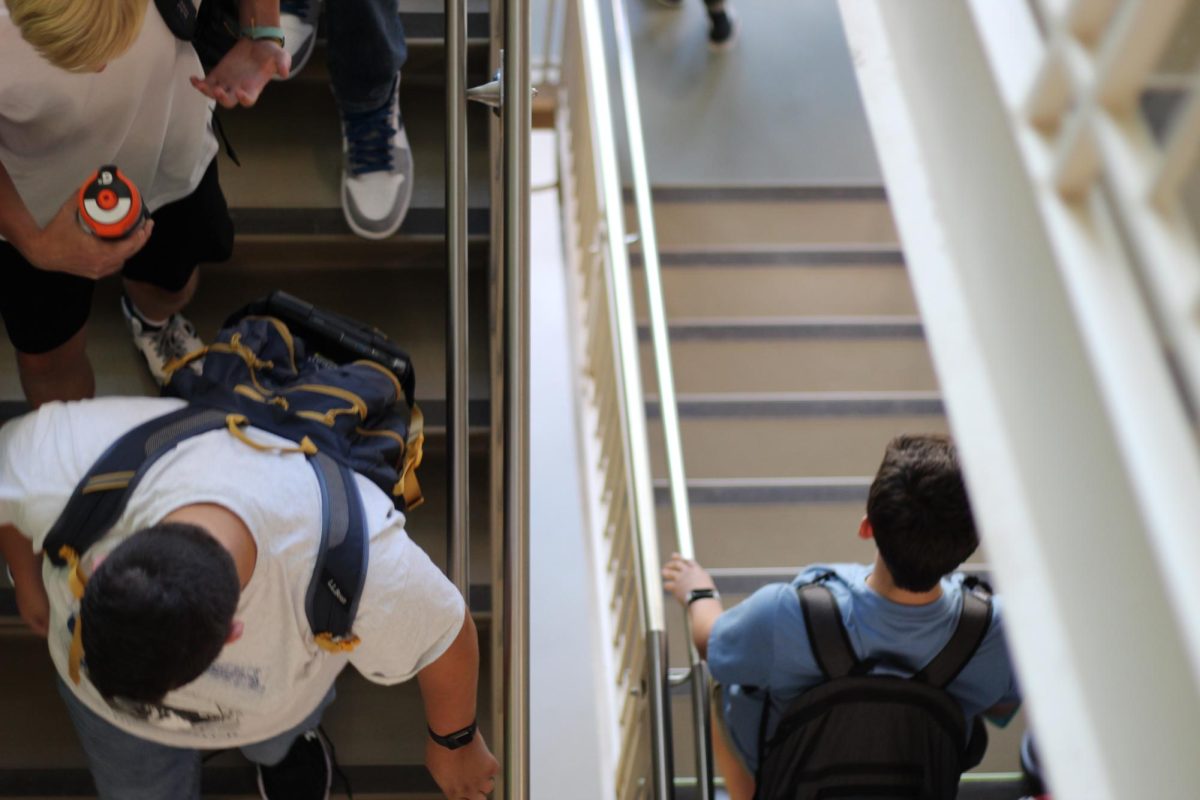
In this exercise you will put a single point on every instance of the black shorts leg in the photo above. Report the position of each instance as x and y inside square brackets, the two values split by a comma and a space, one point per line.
[41, 309]
[196, 229]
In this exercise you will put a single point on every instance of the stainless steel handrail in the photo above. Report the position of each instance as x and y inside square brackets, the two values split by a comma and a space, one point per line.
[517, 125]
[457, 422]
[660, 341]
[631, 405]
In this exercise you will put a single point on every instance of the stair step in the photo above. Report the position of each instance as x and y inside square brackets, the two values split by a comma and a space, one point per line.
[803, 446]
[379, 733]
[767, 534]
[409, 305]
[786, 404]
[790, 327]
[785, 282]
[290, 148]
[769, 491]
[693, 219]
[709, 364]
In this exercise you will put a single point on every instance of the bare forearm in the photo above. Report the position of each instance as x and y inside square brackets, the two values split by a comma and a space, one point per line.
[449, 685]
[18, 553]
[26, 567]
[703, 614]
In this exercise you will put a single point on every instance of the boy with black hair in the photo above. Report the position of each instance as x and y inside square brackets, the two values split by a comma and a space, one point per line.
[184, 628]
[904, 606]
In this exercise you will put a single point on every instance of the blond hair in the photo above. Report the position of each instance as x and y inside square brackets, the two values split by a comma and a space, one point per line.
[78, 35]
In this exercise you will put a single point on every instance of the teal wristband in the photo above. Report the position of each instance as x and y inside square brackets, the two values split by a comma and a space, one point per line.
[257, 32]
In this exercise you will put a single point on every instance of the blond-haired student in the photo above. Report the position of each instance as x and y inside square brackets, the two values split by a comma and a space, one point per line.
[90, 82]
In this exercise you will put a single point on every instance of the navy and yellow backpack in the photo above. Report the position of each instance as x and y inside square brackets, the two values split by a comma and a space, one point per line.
[340, 390]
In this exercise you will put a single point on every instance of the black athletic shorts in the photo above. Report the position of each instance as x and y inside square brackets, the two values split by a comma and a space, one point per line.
[42, 310]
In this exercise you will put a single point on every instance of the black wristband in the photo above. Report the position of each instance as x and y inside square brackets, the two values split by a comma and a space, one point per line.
[457, 739]
[702, 594]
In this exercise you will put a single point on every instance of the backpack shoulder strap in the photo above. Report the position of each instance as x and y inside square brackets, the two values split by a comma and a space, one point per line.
[341, 567]
[974, 620]
[101, 495]
[826, 634]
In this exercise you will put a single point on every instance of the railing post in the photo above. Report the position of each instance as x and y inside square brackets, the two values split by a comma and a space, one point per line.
[517, 124]
[457, 422]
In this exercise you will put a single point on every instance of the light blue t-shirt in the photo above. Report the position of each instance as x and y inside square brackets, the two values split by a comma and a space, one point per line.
[761, 643]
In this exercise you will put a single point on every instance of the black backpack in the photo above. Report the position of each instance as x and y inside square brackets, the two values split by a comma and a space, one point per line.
[860, 735]
[213, 30]
[339, 389]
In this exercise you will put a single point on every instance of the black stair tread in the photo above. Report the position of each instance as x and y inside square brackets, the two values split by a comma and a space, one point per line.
[788, 404]
[794, 256]
[759, 328]
[853, 191]
[740, 491]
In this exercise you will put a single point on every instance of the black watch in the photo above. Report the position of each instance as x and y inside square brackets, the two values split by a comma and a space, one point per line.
[702, 594]
[457, 739]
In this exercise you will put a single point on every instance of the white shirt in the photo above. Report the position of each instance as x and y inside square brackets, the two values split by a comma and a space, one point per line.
[140, 113]
[271, 678]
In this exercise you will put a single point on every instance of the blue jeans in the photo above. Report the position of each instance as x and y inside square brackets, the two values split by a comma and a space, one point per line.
[366, 50]
[125, 767]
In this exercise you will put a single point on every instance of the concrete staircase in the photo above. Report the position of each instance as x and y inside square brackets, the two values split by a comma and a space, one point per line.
[291, 235]
[797, 354]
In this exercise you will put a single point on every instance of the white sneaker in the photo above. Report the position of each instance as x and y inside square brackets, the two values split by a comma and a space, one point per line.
[160, 346]
[377, 171]
[298, 18]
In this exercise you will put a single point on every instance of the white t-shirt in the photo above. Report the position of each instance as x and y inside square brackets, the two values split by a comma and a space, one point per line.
[140, 113]
[271, 678]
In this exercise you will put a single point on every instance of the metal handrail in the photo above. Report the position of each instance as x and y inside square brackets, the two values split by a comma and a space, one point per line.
[517, 121]
[510, 369]
[660, 341]
[631, 402]
[457, 432]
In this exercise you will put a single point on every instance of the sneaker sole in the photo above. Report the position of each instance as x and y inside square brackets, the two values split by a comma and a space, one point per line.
[369, 234]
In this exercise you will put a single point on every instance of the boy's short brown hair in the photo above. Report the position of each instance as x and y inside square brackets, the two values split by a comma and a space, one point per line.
[920, 513]
[78, 35]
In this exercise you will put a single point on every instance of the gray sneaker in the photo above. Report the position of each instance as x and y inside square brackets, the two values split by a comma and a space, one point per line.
[298, 18]
[377, 173]
[162, 345]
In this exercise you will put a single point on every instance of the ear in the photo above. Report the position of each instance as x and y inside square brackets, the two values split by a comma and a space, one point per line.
[235, 631]
[865, 531]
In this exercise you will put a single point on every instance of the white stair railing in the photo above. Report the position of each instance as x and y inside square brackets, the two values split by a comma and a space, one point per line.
[1059, 284]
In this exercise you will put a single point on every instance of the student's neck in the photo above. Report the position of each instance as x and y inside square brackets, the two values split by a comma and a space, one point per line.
[880, 581]
[227, 528]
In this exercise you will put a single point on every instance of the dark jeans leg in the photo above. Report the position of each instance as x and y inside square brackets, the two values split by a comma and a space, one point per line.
[125, 767]
[366, 50]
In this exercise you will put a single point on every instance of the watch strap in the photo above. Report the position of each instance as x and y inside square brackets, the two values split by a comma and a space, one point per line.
[702, 594]
[272, 33]
[459, 738]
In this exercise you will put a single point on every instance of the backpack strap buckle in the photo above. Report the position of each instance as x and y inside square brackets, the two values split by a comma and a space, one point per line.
[336, 644]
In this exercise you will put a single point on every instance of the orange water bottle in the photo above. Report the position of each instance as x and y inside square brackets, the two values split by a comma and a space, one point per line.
[110, 206]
